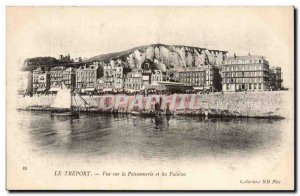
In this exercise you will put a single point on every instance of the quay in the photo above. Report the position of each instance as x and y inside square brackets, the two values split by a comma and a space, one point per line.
[265, 104]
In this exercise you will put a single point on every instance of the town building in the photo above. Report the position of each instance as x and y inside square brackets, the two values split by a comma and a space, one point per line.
[104, 85]
[56, 78]
[205, 78]
[24, 80]
[108, 72]
[35, 78]
[100, 85]
[147, 69]
[43, 82]
[133, 81]
[275, 78]
[108, 76]
[113, 73]
[157, 76]
[69, 77]
[86, 77]
[146, 77]
[244, 73]
[118, 78]
[169, 75]
[166, 77]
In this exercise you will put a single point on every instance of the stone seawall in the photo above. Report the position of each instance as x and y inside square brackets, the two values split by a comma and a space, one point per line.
[250, 104]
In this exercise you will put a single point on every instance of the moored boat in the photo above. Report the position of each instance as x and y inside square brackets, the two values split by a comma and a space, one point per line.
[63, 104]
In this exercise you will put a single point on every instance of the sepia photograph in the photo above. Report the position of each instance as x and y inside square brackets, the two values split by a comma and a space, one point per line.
[150, 98]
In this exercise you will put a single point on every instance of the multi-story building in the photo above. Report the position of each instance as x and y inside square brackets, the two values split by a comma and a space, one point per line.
[24, 82]
[108, 74]
[242, 73]
[118, 78]
[86, 77]
[275, 78]
[69, 77]
[147, 68]
[146, 77]
[133, 81]
[35, 78]
[113, 73]
[56, 78]
[43, 82]
[169, 75]
[100, 85]
[157, 76]
[109, 83]
[201, 78]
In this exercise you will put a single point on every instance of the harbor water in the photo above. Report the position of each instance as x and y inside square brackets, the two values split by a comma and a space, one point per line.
[160, 138]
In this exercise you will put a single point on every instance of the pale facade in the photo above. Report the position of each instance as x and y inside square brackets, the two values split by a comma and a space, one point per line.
[25, 82]
[133, 81]
[157, 76]
[204, 78]
[86, 77]
[245, 73]
[35, 78]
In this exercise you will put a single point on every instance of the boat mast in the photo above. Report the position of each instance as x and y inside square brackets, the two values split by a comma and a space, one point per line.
[71, 97]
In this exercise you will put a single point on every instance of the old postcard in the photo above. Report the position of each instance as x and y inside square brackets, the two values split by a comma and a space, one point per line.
[150, 98]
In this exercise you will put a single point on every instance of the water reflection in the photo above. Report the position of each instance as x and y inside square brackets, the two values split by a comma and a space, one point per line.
[149, 137]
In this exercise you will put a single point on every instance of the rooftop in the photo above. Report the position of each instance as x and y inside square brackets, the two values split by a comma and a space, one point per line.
[38, 70]
[101, 80]
[203, 68]
[68, 70]
[88, 67]
[58, 68]
[248, 57]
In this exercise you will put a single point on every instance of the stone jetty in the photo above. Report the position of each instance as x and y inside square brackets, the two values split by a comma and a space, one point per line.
[267, 104]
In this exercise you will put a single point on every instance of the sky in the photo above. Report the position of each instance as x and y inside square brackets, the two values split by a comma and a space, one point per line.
[90, 31]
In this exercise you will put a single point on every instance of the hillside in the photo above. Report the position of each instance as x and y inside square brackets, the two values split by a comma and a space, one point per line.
[46, 63]
[163, 56]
